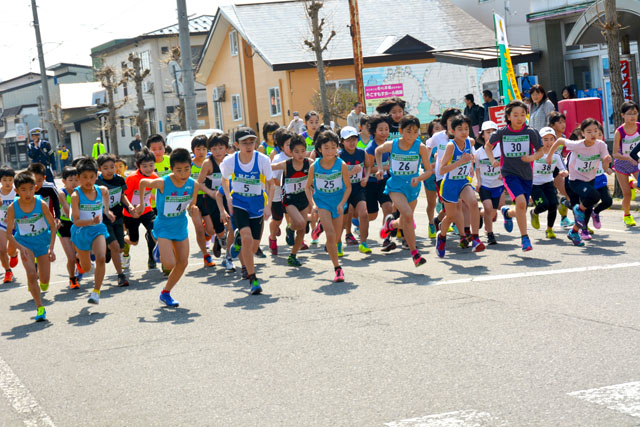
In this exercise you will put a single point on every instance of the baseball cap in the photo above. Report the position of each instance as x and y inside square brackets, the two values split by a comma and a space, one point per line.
[244, 133]
[547, 131]
[348, 131]
[488, 125]
[296, 114]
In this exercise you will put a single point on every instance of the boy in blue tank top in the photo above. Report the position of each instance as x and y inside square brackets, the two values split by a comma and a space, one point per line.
[250, 173]
[175, 194]
[403, 185]
[32, 221]
[88, 233]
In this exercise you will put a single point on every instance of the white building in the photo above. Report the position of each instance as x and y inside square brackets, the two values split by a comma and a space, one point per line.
[160, 97]
[513, 11]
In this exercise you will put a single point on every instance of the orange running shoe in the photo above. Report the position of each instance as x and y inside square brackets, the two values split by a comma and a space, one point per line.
[8, 276]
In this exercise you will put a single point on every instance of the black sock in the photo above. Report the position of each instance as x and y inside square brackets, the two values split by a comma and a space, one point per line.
[467, 230]
[337, 268]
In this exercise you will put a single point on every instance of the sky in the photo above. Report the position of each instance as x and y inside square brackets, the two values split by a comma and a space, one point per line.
[70, 28]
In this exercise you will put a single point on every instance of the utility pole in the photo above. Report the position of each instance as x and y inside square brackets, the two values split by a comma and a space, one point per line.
[187, 67]
[53, 137]
[357, 49]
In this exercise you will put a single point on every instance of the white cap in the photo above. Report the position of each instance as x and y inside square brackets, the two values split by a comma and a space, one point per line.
[488, 125]
[348, 131]
[547, 131]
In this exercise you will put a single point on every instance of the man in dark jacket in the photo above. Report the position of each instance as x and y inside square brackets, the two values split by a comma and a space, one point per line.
[39, 151]
[475, 114]
[136, 144]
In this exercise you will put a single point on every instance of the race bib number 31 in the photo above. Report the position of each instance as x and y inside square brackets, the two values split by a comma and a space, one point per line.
[586, 164]
[516, 145]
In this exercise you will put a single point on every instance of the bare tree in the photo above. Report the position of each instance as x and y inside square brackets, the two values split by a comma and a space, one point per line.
[57, 120]
[137, 74]
[340, 102]
[180, 111]
[110, 82]
[312, 8]
[611, 33]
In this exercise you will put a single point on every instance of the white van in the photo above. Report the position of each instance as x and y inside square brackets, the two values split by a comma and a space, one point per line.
[182, 139]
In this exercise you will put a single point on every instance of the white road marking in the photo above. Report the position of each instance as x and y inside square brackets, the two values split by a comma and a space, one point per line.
[535, 273]
[21, 399]
[470, 418]
[623, 398]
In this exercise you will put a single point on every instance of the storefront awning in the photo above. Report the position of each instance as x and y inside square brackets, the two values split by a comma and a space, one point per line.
[587, 29]
[10, 134]
[485, 57]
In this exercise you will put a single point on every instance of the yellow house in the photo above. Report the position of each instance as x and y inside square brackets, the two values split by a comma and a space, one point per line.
[256, 67]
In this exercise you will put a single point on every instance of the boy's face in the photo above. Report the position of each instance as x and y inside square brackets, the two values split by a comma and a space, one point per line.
[121, 168]
[7, 183]
[108, 169]
[200, 152]
[87, 179]
[461, 132]
[247, 145]
[350, 143]
[410, 133]
[548, 140]
[329, 149]
[560, 126]
[71, 182]
[181, 171]
[39, 181]
[26, 191]
[299, 152]
[157, 148]
[147, 168]
[219, 151]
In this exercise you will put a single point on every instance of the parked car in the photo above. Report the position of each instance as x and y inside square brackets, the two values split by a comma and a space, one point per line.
[182, 139]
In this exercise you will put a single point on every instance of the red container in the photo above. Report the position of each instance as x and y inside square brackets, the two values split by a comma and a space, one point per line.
[576, 110]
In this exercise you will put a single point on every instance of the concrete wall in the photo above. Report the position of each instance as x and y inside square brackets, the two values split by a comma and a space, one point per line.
[517, 26]
[546, 36]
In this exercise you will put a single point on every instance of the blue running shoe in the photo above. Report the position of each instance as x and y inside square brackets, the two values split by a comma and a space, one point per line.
[41, 316]
[579, 216]
[453, 229]
[441, 246]
[574, 236]
[508, 222]
[290, 236]
[256, 289]
[356, 222]
[566, 222]
[156, 253]
[168, 300]
[526, 244]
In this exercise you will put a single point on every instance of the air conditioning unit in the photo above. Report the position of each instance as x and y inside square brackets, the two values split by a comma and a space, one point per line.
[219, 94]
[147, 87]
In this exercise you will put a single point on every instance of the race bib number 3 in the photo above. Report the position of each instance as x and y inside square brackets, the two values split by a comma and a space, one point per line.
[176, 205]
[516, 145]
[294, 185]
[32, 226]
[404, 164]
[90, 211]
[329, 183]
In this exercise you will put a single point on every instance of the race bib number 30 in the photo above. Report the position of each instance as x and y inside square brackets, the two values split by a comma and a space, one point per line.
[32, 226]
[176, 205]
[329, 183]
[404, 164]
[516, 145]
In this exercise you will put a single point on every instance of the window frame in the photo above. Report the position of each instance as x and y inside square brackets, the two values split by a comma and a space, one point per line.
[279, 102]
[233, 42]
[235, 98]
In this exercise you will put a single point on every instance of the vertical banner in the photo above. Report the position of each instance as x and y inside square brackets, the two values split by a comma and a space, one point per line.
[508, 76]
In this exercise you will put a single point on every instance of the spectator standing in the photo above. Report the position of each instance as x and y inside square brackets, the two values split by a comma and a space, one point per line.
[39, 151]
[541, 107]
[475, 114]
[297, 124]
[63, 154]
[487, 96]
[98, 148]
[353, 119]
[136, 144]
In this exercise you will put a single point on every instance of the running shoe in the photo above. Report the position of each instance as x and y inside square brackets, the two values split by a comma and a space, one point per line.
[629, 221]
[126, 261]
[151, 264]
[208, 261]
[441, 245]
[244, 273]
[227, 263]
[355, 222]
[314, 242]
[223, 239]
[293, 261]
[432, 231]
[237, 245]
[477, 246]
[168, 300]
[562, 210]
[122, 280]
[464, 242]
[156, 253]
[73, 283]
[339, 247]
[584, 234]
[13, 261]
[305, 247]
[317, 231]
[41, 314]
[386, 228]
[217, 247]
[508, 222]
[273, 246]
[596, 220]
[8, 276]
[579, 216]
[256, 289]
[590, 230]
[364, 248]
[535, 220]
[551, 234]
[94, 298]
[491, 239]
[388, 245]
[405, 244]
[574, 236]
[351, 240]
[526, 244]
[339, 276]
[44, 286]
[356, 230]
[632, 185]
[418, 260]
[566, 222]
[260, 254]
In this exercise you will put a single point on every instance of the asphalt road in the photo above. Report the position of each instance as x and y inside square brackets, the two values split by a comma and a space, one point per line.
[548, 337]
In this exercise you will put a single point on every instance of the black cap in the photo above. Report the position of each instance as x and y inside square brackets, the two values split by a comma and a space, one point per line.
[244, 133]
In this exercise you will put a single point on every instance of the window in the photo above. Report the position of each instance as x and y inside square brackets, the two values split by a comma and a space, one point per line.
[122, 127]
[217, 112]
[132, 125]
[144, 60]
[233, 43]
[348, 85]
[164, 50]
[274, 101]
[236, 108]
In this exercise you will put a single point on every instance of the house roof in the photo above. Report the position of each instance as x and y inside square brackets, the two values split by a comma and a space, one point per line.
[438, 24]
[11, 111]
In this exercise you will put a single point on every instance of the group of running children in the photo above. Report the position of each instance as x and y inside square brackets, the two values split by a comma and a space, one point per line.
[317, 181]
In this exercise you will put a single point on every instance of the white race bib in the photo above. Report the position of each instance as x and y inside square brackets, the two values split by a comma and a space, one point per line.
[355, 178]
[405, 164]
[516, 145]
[487, 169]
[135, 199]
[216, 180]
[90, 210]
[175, 205]
[115, 194]
[586, 164]
[32, 226]
[460, 172]
[294, 185]
[329, 183]
[3, 214]
[629, 143]
[542, 168]
[247, 187]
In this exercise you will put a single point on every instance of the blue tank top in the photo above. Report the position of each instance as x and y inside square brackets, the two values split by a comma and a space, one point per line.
[247, 188]
[405, 163]
[32, 228]
[172, 203]
[328, 183]
[461, 172]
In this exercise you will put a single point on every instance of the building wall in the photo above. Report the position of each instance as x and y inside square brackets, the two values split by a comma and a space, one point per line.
[517, 26]
[265, 78]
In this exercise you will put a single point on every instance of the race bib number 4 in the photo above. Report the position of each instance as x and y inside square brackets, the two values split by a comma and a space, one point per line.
[32, 226]
[329, 183]
[516, 145]
[294, 185]
[404, 164]
[176, 205]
